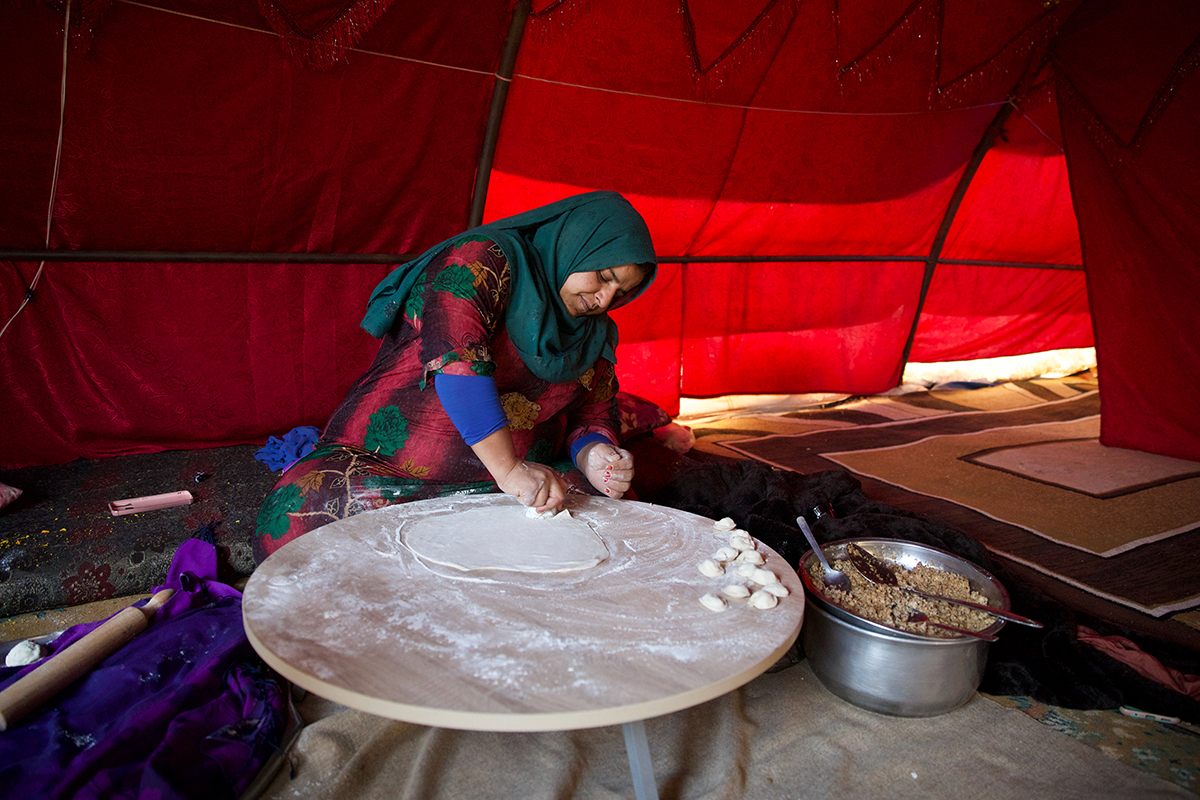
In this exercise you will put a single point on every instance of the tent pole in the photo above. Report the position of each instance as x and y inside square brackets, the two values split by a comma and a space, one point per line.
[491, 134]
[939, 240]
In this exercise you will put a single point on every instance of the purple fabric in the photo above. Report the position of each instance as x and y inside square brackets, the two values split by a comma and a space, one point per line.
[184, 710]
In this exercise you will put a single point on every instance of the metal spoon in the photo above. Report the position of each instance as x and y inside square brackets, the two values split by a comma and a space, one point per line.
[917, 616]
[834, 579]
[876, 571]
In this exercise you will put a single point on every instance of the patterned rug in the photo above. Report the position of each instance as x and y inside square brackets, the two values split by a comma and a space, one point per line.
[1015, 465]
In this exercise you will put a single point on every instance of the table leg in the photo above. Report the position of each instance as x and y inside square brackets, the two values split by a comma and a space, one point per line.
[639, 760]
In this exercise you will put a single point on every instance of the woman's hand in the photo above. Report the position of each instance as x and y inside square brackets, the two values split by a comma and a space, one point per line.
[608, 468]
[534, 485]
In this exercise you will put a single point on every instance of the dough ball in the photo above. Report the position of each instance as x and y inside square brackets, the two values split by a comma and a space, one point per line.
[23, 653]
[736, 591]
[710, 568]
[763, 599]
[724, 524]
[777, 589]
[713, 603]
[532, 513]
[751, 557]
[741, 540]
[764, 576]
[725, 554]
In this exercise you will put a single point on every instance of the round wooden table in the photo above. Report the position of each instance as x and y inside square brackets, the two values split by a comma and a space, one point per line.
[350, 613]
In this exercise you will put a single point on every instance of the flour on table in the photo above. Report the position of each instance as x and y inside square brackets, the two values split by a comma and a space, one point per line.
[505, 538]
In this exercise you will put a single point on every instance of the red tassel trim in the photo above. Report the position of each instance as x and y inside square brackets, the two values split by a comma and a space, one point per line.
[923, 17]
[1022, 53]
[1116, 150]
[757, 43]
[327, 46]
[85, 18]
[557, 17]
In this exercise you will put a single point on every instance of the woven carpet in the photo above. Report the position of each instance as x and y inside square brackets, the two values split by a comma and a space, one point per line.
[1018, 467]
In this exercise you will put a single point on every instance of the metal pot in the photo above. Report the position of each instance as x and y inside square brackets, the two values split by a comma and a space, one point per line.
[889, 671]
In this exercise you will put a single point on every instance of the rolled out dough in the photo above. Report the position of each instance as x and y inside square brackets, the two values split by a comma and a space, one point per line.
[505, 538]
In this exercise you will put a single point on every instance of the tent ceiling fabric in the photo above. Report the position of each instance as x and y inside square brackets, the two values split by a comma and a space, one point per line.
[784, 129]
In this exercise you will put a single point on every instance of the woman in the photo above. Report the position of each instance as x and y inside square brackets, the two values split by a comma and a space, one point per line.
[497, 353]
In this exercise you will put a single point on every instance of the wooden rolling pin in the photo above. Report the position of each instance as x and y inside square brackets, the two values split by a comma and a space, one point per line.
[72, 662]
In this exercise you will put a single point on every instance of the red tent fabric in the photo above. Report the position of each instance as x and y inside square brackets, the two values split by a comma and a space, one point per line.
[812, 173]
[1129, 98]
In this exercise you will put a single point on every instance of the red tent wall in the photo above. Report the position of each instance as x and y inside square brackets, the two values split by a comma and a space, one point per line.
[787, 130]
[1130, 103]
[830, 131]
[202, 134]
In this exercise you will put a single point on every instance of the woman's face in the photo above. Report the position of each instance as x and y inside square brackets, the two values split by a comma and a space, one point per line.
[589, 293]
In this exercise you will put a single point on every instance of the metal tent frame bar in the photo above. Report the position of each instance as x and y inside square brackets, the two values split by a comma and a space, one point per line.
[939, 240]
[180, 257]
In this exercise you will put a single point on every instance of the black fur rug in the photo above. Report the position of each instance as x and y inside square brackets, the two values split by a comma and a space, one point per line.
[1049, 665]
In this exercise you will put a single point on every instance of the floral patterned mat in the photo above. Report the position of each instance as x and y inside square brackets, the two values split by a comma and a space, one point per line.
[1167, 751]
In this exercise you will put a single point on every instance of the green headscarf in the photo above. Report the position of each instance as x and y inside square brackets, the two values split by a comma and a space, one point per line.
[592, 231]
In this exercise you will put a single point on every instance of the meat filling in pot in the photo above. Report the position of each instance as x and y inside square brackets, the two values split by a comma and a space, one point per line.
[891, 606]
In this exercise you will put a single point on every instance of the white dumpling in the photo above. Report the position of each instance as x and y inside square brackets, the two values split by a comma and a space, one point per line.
[763, 599]
[710, 568]
[736, 591]
[744, 568]
[741, 540]
[777, 589]
[724, 524]
[713, 602]
[751, 557]
[726, 554]
[764, 576]
[24, 653]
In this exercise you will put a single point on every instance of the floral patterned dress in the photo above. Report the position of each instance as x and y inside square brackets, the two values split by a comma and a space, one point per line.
[391, 442]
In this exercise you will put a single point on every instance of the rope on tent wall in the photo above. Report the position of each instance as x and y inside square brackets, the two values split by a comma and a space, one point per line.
[491, 133]
[939, 241]
[62, 110]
